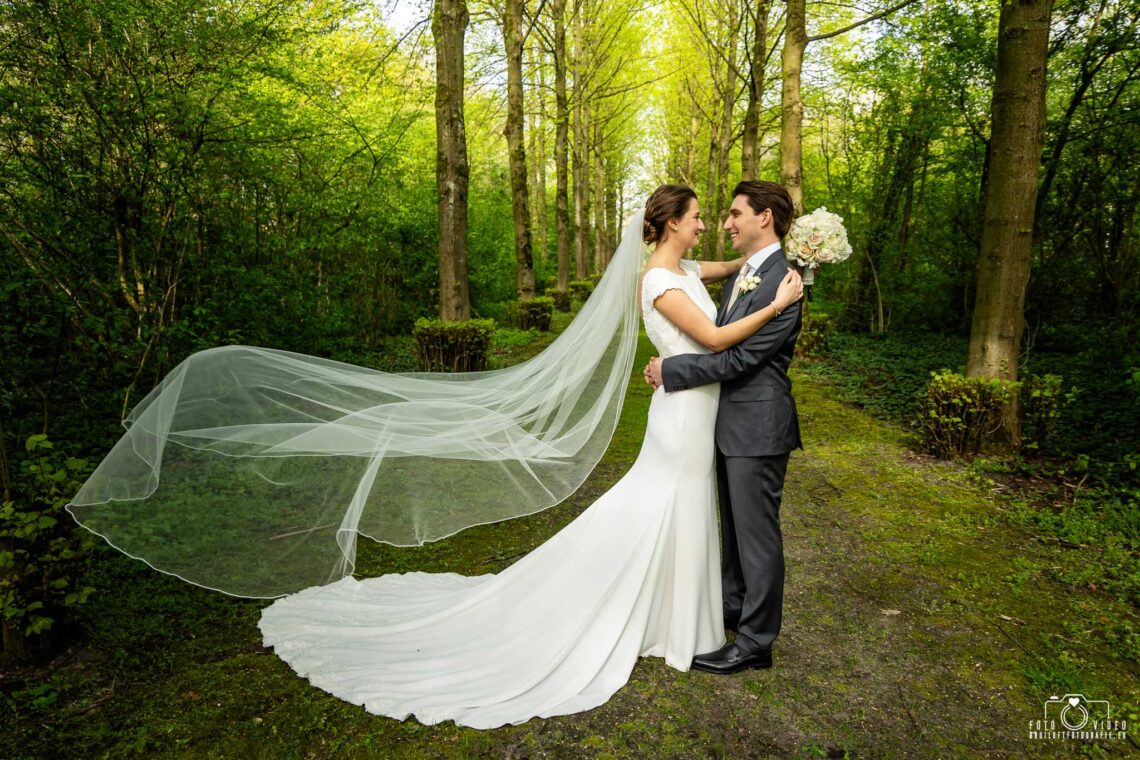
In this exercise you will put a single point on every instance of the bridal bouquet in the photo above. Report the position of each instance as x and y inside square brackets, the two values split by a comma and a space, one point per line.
[817, 238]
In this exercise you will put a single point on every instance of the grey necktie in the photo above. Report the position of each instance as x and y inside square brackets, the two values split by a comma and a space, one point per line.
[745, 271]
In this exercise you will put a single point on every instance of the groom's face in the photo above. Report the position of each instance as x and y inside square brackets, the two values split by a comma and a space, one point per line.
[745, 227]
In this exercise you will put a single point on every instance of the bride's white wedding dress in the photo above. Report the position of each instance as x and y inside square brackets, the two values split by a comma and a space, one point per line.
[558, 632]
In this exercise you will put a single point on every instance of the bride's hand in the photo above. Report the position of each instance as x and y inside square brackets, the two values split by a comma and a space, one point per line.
[791, 290]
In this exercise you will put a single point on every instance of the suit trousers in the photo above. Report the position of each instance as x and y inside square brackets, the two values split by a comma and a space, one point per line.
[752, 551]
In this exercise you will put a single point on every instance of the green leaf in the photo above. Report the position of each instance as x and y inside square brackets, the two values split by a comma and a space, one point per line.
[36, 442]
[39, 624]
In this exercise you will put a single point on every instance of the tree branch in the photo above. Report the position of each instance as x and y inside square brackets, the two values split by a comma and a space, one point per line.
[858, 24]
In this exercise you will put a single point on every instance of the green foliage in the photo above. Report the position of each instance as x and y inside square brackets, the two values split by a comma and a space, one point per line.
[814, 334]
[41, 547]
[505, 313]
[715, 289]
[1093, 444]
[886, 374]
[1099, 416]
[270, 184]
[34, 698]
[957, 415]
[562, 300]
[1041, 398]
[536, 313]
[545, 285]
[1108, 524]
[580, 290]
[1098, 525]
[1133, 381]
[453, 346]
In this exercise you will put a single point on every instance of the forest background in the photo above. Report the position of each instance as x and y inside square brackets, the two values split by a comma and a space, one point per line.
[181, 175]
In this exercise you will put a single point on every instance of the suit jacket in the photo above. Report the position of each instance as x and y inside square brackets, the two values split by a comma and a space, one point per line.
[757, 414]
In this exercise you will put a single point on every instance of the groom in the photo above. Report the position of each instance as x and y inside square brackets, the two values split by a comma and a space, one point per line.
[756, 428]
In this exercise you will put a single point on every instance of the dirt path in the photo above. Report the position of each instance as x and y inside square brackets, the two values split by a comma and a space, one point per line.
[908, 632]
[916, 625]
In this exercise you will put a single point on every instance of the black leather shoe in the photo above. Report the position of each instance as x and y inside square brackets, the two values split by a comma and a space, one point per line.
[731, 659]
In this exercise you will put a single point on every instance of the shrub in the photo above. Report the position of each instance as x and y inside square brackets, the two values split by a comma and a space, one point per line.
[814, 333]
[957, 415]
[453, 346]
[545, 285]
[41, 548]
[504, 313]
[1040, 404]
[580, 290]
[536, 313]
[562, 300]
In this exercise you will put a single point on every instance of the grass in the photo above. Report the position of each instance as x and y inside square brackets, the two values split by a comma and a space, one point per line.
[920, 621]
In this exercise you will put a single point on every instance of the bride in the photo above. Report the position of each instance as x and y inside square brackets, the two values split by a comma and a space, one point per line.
[637, 573]
[236, 471]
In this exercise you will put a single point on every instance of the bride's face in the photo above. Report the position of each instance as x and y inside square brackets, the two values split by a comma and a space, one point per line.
[689, 227]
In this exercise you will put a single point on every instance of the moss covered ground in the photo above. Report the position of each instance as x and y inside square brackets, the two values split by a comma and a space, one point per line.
[919, 622]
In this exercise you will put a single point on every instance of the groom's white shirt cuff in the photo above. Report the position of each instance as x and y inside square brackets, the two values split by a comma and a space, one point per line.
[758, 258]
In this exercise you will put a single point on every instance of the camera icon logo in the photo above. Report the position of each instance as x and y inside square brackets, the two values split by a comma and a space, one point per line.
[1075, 710]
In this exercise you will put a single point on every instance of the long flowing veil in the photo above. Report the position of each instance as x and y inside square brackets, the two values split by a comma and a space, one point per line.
[252, 471]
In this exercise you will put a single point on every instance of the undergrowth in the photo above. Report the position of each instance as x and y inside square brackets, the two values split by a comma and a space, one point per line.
[1079, 489]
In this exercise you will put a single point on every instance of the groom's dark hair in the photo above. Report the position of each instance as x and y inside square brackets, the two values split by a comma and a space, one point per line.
[762, 194]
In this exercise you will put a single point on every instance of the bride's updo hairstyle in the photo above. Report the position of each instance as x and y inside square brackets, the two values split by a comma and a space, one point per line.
[667, 202]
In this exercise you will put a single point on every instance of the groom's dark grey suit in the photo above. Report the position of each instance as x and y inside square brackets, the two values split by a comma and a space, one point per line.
[756, 429]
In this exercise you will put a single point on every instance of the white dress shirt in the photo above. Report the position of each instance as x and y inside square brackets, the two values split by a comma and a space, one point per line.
[758, 258]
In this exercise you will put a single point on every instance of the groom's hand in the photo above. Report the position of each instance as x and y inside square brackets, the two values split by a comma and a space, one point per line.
[647, 375]
[653, 372]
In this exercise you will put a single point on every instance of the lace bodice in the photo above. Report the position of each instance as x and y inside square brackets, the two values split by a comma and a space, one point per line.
[666, 336]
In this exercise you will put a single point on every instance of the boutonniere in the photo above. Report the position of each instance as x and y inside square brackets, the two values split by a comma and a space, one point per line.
[750, 282]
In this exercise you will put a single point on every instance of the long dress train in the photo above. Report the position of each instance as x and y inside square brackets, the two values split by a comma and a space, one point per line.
[558, 632]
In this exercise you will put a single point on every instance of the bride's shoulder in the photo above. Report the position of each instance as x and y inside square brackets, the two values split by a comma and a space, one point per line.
[653, 270]
[655, 281]
[691, 267]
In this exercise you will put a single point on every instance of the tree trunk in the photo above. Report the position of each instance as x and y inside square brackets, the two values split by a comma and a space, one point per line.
[709, 246]
[750, 140]
[448, 26]
[581, 152]
[689, 175]
[581, 191]
[524, 259]
[791, 126]
[612, 218]
[724, 139]
[599, 202]
[1017, 138]
[561, 147]
[537, 153]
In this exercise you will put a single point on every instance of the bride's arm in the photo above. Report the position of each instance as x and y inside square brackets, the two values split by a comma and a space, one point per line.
[679, 309]
[715, 271]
